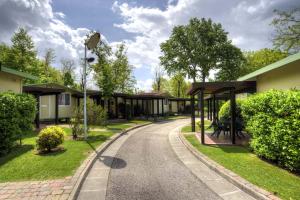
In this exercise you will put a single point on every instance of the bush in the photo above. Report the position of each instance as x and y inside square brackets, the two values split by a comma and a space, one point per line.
[96, 115]
[225, 111]
[17, 113]
[76, 123]
[273, 120]
[49, 138]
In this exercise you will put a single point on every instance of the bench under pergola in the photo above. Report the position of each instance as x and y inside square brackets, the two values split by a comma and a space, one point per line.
[213, 92]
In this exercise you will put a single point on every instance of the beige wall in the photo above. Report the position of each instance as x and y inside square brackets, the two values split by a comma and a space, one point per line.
[9, 82]
[283, 78]
[47, 108]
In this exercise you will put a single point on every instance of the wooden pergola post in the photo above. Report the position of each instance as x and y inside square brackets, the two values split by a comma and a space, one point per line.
[193, 112]
[201, 108]
[152, 106]
[233, 115]
[184, 105]
[125, 109]
[143, 109]
[37, 116]
[214, 107]
[157, 106]
[56, 108]
[131, 108]
[116, 107]
[162, 107]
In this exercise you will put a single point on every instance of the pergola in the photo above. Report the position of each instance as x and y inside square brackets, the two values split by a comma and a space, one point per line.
[218, 90]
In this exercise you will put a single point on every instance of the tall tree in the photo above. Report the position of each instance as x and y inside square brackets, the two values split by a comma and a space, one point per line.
[158, 80]
[49, 58]
[261, 58]
[287, 27]
[102, 69]
[230, 66]
[21, 55]
[194, 49]
[122, 71]
[67, 70]
[178, 86]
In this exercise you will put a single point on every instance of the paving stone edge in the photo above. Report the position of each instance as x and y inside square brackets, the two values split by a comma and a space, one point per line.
[85, 167]
[249, 188]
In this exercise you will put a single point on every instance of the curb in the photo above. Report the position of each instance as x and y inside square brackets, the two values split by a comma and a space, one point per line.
[241, 183]
[85, 167]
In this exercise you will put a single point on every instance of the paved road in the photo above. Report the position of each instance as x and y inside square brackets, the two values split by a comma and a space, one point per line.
[146, 167]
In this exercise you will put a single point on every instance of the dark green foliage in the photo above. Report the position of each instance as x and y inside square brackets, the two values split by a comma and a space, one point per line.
[17, 112]
[49, 138]
[273, 119]
[225, 111]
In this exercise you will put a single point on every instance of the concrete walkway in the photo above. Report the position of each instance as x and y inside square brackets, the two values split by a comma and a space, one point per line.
[152, 163]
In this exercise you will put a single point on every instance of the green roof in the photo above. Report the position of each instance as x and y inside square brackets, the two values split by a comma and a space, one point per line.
[17, 73]
[278, 64]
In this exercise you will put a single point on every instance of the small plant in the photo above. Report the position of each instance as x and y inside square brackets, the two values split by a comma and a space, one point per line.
[76, 123]
[96, 115]
[49, 138]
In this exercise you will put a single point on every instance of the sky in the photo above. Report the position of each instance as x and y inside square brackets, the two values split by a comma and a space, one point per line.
[142, 24]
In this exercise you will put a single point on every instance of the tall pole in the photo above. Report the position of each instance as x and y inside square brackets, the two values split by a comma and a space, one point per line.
[84, 92]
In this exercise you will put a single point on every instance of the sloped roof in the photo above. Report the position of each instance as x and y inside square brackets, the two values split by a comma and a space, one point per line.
[278, 64]
[46, 87]
[17, 73]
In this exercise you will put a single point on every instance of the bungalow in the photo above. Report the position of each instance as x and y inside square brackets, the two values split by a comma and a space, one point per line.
[12, 80]
[282, 75]
[57, 103]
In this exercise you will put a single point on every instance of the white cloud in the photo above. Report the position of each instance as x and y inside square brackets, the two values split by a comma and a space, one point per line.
[144, 85]
[248, 23]
[47, 28]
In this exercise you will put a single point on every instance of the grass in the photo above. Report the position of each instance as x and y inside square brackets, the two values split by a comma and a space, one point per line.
[23, 163]
[246, 164]
[188, 128]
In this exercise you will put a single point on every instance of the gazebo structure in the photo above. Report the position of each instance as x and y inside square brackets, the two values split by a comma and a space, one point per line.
[213, 92]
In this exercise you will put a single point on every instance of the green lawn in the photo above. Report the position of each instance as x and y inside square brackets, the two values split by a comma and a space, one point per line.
[188, 128]
[246, 164]
[23, 163]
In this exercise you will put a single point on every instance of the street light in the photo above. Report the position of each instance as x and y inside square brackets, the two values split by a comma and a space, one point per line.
[89, 44]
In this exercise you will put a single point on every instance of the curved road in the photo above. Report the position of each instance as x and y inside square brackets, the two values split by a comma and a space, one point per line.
[147, 168]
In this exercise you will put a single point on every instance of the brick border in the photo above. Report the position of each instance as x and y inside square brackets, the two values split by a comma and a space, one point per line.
[82, 171]
[235, 179]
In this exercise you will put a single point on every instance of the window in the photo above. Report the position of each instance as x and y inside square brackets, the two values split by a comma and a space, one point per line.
[64, 99]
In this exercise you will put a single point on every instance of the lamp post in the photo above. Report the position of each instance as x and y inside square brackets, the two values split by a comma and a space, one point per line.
[89, 44]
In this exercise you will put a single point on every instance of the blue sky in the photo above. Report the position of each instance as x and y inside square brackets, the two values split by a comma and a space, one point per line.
[141, 24]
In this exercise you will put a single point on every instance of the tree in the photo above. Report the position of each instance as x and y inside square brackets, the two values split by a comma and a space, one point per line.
[48, 59]
[287, 27]
[112, 70]
[231, 63]
[122, 71]
[194, 49]
[21, 55]
[178, 86]
[67, 71]
[261, 58]
[158, 80]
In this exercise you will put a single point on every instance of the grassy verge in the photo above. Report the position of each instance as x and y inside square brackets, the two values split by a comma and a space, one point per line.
[23, 163]
[246, 164]
[188, 128]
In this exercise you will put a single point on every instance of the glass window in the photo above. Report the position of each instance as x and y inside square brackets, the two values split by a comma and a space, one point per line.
[64, 99]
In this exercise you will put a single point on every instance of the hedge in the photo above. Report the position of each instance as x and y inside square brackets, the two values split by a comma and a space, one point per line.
[273, 120]
[17, 112]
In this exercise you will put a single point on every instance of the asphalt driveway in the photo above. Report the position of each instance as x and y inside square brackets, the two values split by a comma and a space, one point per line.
[147, 168]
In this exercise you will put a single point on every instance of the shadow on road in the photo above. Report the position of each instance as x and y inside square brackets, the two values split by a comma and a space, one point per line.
[113, 162]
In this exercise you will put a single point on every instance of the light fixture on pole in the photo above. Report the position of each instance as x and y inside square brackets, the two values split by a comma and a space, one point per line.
[89, 44]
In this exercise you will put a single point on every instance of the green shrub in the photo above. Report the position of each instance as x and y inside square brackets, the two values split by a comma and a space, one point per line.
[96, 115]
[17, 113]
[49, 138]
[76, 123]
[225, 111]
[273, 120]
